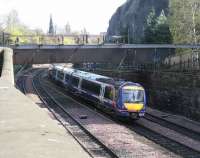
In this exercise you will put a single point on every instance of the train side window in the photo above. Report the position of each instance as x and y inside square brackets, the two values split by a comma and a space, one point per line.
[95, 88]
[67, 76]
[84, 85]
[109, 93]
[54, 72]
[92, 87]
[60, 75]
[75, 81]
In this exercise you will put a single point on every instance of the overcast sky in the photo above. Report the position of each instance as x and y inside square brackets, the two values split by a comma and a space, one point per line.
[94, 15]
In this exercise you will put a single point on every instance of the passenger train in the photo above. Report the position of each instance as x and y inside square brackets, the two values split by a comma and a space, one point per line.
[125, 99]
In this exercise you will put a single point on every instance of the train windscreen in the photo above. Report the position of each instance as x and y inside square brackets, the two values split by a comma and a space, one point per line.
[131, 95]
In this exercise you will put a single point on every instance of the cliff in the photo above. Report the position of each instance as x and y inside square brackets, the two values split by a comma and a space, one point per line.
[130, 18]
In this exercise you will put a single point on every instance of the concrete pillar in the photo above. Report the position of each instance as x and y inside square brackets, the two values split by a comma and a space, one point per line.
[1, 61]
[7, 68]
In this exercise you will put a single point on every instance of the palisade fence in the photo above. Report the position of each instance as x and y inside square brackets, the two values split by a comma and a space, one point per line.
[177, 63]
[186, 62]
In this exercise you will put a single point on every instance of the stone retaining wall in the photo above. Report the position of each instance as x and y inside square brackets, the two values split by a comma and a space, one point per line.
[178, 93]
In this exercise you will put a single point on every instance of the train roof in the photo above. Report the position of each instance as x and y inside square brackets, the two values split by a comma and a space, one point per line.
[91, 76]
[61, 67]
[99, 78]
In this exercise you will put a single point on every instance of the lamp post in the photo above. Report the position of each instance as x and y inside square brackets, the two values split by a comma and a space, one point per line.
[3, 38]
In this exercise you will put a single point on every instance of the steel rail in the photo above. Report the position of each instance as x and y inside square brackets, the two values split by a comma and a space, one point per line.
[104, 147]
[160, 131]
[194, 134]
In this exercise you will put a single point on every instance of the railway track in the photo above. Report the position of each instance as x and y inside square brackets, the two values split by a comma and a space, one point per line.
[20, 84]
[55, 99]
[191, 133]
[21, 79]
[122, 141]
[89, 142]
[182, 143]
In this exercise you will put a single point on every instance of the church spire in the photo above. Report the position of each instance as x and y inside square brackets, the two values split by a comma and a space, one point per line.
[51, 28]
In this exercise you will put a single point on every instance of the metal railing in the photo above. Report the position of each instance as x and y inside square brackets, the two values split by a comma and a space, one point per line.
[8, 39]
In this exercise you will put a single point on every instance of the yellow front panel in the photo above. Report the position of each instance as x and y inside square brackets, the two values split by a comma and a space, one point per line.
[133, 88]
[133, 107]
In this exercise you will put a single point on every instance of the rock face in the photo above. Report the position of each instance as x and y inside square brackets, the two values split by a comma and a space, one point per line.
[131, 18]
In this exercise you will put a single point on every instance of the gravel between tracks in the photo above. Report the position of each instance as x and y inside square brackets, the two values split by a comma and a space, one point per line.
[88, 143]
[123, 141]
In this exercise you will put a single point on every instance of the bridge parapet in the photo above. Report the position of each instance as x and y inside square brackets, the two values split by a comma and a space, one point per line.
[112, 53]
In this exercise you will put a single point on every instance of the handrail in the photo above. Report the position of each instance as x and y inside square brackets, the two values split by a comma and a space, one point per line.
[106, 45]
[7, 73]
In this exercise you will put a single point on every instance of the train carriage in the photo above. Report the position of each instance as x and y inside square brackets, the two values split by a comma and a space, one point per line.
[126, 99]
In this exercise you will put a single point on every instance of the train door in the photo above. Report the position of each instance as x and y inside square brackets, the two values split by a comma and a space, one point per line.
[75, 84]
[108, 97]
[66, 80]
[101, 97]
[56, 75]
[79, 86]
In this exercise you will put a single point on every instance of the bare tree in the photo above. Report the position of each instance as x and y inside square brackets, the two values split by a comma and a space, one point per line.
[11, 21]
[195, 6]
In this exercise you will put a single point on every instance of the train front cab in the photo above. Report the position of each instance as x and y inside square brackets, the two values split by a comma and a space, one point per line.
[52, 73]
[131, 101]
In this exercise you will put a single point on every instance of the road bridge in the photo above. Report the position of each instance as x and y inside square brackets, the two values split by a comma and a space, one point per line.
[112, 53]
[19, 113]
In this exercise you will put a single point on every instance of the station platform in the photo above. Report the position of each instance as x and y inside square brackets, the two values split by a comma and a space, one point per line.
[27, 131]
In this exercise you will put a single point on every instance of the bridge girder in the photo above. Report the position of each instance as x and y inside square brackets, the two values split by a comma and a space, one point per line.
[84, 53]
